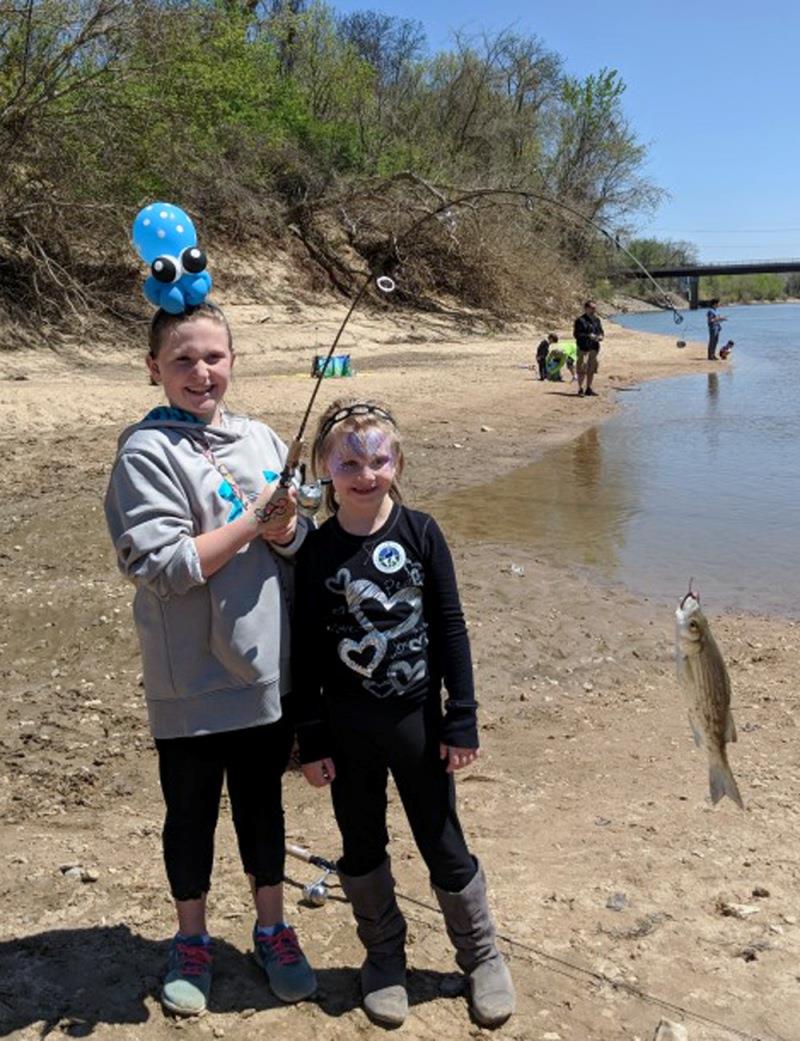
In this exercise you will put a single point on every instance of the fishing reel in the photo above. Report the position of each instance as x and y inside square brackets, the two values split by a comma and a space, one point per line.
[309, 494]
[314, 893]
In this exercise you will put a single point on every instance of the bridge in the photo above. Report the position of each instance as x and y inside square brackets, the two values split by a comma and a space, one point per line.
[692, 272]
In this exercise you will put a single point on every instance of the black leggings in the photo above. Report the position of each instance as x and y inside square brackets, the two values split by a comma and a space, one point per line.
[409, 748]
[192, 770]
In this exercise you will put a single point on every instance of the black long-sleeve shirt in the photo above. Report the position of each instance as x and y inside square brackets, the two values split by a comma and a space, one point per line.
[586, 326]
[378, 628]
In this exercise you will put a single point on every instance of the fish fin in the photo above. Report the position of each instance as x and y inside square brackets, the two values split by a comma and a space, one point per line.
[730, 729]
[698, 741]
[722, 782]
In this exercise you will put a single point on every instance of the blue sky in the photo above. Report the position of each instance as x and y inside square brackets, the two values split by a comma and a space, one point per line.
[713, 89]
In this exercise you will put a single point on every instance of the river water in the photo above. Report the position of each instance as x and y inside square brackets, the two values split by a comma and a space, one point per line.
[698, 476]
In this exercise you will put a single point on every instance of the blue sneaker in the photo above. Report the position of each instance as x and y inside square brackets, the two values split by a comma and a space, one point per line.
[188, 980]
[290, 976]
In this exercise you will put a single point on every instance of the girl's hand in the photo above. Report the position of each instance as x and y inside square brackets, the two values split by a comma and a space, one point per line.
[281, 525]
[457, 757]
[319, 773]
[281, 536]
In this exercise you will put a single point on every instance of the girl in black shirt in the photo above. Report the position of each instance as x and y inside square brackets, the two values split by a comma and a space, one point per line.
[382, 630]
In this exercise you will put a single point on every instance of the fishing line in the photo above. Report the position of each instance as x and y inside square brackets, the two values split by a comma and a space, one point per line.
[314, 895]
[531, 197]
[557, 964]
[310, 495]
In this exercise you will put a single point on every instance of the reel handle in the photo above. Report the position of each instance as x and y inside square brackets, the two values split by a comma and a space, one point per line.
[300, 853]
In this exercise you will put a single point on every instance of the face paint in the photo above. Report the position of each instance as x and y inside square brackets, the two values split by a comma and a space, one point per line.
[354, 450]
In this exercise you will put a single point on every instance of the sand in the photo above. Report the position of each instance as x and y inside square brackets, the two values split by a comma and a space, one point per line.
[611, 875]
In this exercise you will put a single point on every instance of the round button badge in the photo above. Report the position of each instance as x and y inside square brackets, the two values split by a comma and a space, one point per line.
[389, 557]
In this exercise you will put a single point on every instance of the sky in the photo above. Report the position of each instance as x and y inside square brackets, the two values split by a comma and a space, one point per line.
[713, 90]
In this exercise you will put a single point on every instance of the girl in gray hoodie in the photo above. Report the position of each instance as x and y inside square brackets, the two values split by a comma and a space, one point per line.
[187, 511]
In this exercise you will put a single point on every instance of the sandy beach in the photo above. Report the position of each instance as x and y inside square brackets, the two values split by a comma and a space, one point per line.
[621, 894]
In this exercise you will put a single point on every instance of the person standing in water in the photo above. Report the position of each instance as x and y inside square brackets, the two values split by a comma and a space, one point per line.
[714, 321]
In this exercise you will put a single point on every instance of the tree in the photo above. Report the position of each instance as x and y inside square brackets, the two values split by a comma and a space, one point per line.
[596, 160]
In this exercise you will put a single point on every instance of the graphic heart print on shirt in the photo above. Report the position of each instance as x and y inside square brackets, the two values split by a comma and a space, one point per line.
[363, 656]
[363, 591]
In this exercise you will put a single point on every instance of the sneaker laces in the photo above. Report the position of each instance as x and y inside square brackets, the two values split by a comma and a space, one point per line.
[193, 958]
[284, 946]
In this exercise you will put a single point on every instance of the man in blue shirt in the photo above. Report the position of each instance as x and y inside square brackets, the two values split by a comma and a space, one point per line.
[714, 328]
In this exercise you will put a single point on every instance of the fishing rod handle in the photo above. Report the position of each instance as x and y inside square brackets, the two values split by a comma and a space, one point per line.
[310, 858]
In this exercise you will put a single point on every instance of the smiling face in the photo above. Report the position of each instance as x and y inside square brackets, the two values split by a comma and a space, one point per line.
[362, 465]
[194, 365]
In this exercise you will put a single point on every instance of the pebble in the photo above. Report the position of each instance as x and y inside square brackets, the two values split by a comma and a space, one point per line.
[246, 1013]
[486, 430]
[760, 891]
[738, 910]
[617, 902]
[669, 1031]
[79, 872]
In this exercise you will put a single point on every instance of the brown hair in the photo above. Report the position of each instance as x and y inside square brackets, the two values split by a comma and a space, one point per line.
[164, 322]
[370, 413]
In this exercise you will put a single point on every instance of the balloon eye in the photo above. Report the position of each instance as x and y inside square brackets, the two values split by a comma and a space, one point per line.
[193, 260]
[166, 269]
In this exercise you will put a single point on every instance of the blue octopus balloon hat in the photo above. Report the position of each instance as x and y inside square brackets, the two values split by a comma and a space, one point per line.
[165, 238]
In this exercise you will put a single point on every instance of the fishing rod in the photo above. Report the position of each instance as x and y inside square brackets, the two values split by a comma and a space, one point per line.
[309, 495]
[531, 197]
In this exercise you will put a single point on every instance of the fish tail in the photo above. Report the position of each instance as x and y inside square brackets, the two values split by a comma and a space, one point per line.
[722, 782]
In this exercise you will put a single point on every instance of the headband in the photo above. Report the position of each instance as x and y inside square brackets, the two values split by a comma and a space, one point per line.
[360, 409]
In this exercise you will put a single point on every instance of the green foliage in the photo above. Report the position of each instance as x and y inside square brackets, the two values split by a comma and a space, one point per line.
[656, 253]
[743, 288]
[792, 285]
[240, 110]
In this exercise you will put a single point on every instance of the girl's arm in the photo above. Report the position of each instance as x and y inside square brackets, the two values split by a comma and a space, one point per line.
[216, 548]
[443, 607]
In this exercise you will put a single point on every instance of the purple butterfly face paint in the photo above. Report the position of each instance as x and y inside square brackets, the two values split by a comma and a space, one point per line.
[356, 450]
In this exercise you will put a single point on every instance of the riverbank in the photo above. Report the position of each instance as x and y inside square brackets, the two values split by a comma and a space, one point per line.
[588, 806]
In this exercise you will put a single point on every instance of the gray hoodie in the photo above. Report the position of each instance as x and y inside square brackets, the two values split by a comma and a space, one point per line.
[215, 652]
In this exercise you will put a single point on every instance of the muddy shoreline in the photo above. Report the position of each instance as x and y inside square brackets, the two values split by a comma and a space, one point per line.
[588, 786]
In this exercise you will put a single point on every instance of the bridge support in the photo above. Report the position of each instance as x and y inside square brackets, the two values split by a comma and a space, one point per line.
[694, 291]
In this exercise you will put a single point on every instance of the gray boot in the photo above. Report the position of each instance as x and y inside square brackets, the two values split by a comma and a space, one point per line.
[472, 933]
[382, 929]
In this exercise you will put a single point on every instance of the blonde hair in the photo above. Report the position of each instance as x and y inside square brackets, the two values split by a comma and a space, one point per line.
[358, 415]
